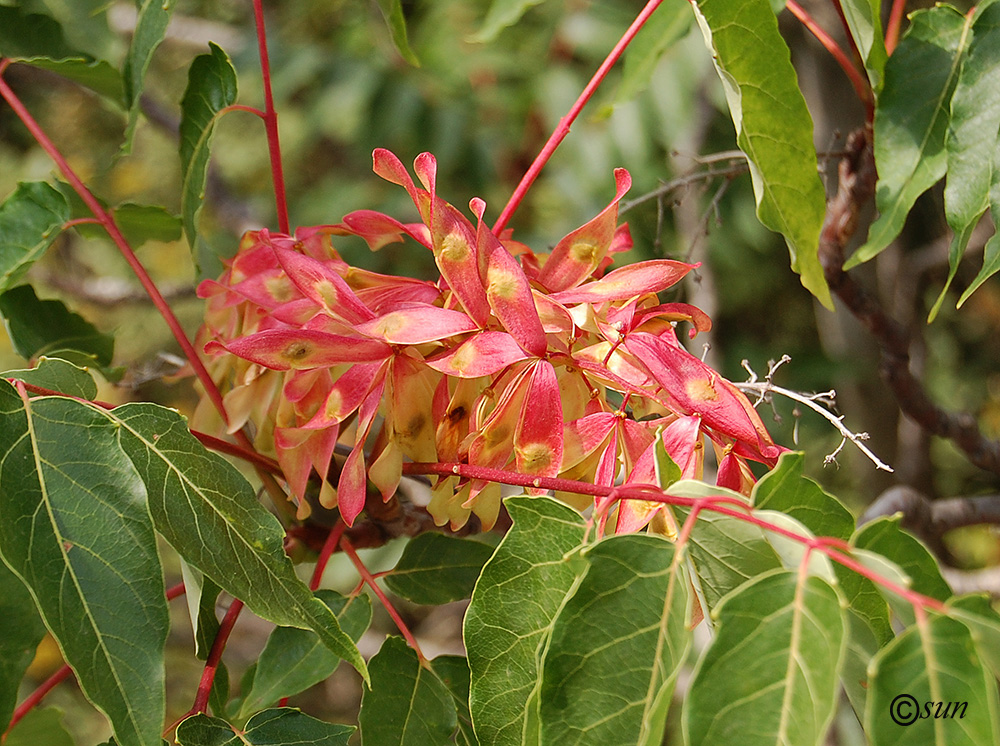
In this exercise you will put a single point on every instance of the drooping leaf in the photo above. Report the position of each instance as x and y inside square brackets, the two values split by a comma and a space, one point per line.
[407, 704]
[295, 659]
[865, 22]
[39, 327]
[201, 594]
[911, 119]
[150, 28]
[991, 252]
[211, 88]
[438, 569]
[453, 671]
[502, 14]
[773, 127]
[38, 40]
[21, 630]
[774, 662]
[931, 669]
[668, 24]
[612, 682]
[281, 726]
[30, 220]
[57, 375]
[513, 607]
[392, 11]
[208, 512]
[74, 526]
[40, 725]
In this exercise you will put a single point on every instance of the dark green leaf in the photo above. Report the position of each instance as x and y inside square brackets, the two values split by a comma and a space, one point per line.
[211, 88]
[75, 528]
[774, 662]
[30, 220]
[407, 704]
[40, 726]
[864, 19]
[991, 253]
[57, 375]
[983, 623]
[453, 670]
[668, 24]
[934, 661]
[38, 40]
[773, 127]
[911, 119]
[295, 659]
[39, 327]
[141, 223]
[21, 630]
[392, 11]
[513, 607]
[150, 28]
[612, 682]
[502, 13]
[285, 726]
[438, 569]
[208, 512]
[885, 536]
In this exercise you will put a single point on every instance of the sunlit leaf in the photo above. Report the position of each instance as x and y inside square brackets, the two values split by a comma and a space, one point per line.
[438, 569]
[57, 375]
[864, 20]
[513, 607]
[773, 127]
[39, 327]
[931, 669]
[30, 220]
[211, 88]
[407, 704]
[208, 512]
[295, 659]
[89, 554]
[612, 682]
[911, 119]
[150, 28]
[774, 662]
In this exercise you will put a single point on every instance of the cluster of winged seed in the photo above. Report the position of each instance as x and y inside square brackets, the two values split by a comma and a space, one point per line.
[547, 364]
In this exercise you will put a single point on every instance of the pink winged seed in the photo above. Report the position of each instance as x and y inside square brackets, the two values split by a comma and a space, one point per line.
[628, 282]
[301, 349]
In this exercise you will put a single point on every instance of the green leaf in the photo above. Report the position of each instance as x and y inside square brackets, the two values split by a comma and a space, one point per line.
[612, 682]
[511, 614]
[392, 11]
[38, 327]
[864, 20]
[281, 726]
[667, 25]
[211, 88]
[75, 527]
[785, 489]
[150, 28]
[141, 223]
[725, 552]
[502, 13]
[406, 704]
[295, 659]
[438, 569]
[453, 671]
[885, 536]
[934, 661]
[38, 40]
[21, 630]
[911, 120]
[991, 253]
[57, 375]
[978, 615]
[774, 662]
[201, 594]
[773, 127]
[40, 726]
[30, 220]
[208, 512]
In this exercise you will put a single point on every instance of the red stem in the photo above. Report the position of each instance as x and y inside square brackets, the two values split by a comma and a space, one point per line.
[271, 122]
[858, 79]
[215, 656]
[32, 700]
[332, 539]
[892, 28]
[564, 124]
[369, 579]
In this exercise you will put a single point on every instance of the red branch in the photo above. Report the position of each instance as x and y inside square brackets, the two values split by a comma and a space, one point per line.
[271, 122]
[215, 656]
[564, 124]
[329, 546]
[895, 21]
